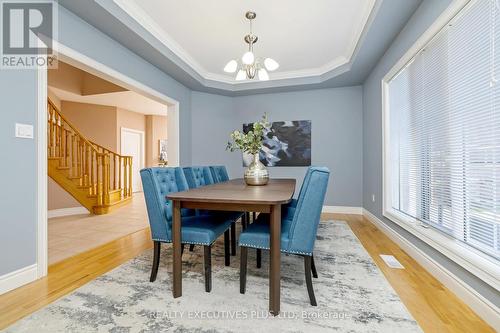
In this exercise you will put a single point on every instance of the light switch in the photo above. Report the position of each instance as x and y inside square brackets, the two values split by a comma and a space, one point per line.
[24, 131]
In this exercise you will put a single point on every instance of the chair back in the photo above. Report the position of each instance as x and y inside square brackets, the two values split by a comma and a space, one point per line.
[197, 176]
[304, 226]
[219, 173]
[157, 183]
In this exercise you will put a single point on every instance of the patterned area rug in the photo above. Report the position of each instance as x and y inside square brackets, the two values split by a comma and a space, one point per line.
[352, 296]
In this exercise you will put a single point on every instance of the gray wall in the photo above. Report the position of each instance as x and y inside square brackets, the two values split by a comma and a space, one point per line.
[18, 92]
[425, 15]
[336, 116]
[17, 172]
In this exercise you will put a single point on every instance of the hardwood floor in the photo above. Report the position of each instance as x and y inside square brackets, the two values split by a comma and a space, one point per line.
[434, 307]
[69, 274]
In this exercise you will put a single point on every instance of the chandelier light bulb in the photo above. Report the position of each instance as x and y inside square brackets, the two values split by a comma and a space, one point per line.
[241, 75]
[231, 66]
[248, 58]
[263, 76]
[271, 64]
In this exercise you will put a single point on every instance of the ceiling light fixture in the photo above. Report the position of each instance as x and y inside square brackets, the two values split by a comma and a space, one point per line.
[251, 65]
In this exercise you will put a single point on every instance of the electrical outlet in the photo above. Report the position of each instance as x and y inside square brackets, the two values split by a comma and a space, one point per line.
[373, 197]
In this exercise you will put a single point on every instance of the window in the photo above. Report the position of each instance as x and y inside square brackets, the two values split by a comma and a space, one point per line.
[442, 132]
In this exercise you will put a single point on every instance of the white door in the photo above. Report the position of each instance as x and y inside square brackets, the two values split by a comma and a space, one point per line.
[132, 144]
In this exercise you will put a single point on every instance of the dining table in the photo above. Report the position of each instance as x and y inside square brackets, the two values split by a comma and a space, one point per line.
[236, 195]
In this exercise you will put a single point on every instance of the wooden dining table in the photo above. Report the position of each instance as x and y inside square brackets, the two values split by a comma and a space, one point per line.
[235, 195]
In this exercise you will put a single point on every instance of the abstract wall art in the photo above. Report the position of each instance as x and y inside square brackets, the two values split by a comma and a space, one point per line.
[286, 143]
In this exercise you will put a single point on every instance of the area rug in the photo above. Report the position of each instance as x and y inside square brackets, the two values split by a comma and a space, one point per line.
[352, 296]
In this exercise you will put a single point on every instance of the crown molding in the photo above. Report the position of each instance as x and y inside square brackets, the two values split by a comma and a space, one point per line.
[314, 74]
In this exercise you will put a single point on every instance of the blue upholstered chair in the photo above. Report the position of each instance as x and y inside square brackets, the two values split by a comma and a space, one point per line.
[299, 224]
[219, 173]
[201, 230]
[197, 176]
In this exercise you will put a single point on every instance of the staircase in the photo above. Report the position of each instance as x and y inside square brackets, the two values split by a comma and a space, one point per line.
[96, 177]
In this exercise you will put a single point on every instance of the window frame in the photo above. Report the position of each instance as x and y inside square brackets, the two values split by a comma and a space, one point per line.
[476, 262]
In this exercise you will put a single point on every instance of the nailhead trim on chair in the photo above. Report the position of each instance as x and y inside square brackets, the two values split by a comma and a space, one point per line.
[285, 251]
[170, 241]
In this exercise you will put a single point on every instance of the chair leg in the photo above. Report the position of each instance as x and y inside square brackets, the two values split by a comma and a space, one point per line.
[313, 268]
[191, 248]
[207, 254]
[310, 290]
[244, 221]
[254, 217]
[227, 255]
[259, 258]
[243, 269]
[233, 239]
[156, 261]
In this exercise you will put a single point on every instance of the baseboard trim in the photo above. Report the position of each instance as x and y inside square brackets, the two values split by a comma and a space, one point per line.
[483, 307]
[343, 210]
[18, 278]
[67, 212]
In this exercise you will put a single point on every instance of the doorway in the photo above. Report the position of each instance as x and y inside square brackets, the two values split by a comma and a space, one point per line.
[132, 144]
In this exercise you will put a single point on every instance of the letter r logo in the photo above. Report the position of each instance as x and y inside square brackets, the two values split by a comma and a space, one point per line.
[24, 25]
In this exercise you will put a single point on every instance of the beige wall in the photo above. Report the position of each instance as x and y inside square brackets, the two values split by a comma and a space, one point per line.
[58, 198]
[95, 85]
[156, 130]
[66, 77]
[72, 79]
[54, 99]
[96, 122]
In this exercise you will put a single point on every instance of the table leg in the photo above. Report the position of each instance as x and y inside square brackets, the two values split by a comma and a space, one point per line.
[176, 242]
[275, 254]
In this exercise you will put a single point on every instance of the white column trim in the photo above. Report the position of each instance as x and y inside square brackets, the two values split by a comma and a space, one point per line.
[18, 278]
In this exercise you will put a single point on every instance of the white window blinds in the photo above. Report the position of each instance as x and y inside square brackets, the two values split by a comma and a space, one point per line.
[444, 129]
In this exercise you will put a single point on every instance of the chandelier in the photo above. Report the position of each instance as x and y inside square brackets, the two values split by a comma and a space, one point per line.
[250, 65]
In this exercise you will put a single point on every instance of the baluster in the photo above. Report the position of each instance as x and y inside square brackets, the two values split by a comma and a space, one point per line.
[92, 184]
[78, 157]
[66, 151]
[114, 172]
[51, 132]
[130, 176]
[99, 179]
[106, 179]
[59, 128]
[56, 136]
[48, 130]
[125, 178]
[73, 156]
[84, 162]
[120, 174]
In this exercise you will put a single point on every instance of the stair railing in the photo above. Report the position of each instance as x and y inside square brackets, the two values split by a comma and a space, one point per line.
[99, 169]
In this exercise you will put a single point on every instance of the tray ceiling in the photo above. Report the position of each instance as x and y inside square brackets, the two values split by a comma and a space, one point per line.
[307, 40]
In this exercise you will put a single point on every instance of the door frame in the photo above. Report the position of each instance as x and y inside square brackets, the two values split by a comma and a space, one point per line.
[142, 135]
[94, 67]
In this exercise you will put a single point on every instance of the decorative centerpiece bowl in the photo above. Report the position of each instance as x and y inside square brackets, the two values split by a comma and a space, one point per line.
[251, 143]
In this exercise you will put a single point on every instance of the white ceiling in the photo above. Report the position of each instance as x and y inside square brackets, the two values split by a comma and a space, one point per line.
[127, 100]
[307, 38]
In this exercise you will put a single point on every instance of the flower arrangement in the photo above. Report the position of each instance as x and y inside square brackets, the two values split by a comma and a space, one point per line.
[250, 142]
